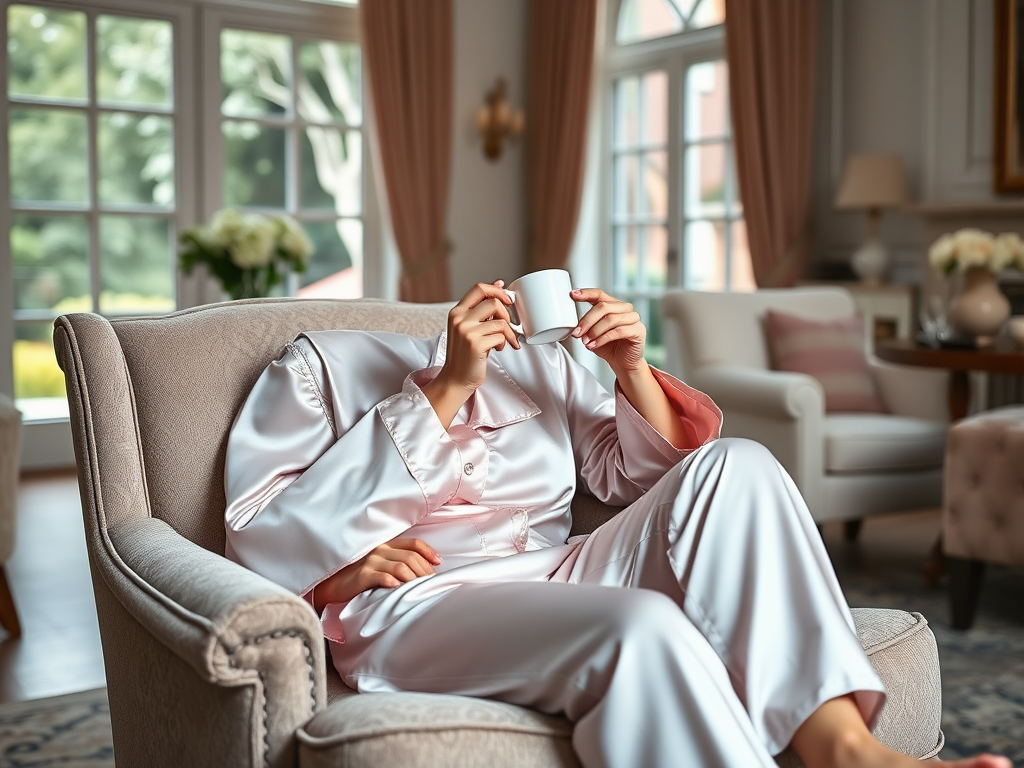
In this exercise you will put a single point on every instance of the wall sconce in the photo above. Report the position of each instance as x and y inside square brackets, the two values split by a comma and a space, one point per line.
[496, 121]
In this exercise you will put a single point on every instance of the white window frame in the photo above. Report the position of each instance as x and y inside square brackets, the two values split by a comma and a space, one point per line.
[197, 145]
[673, 54]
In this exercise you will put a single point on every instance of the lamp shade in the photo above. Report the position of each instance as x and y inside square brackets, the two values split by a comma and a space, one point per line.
[873, 180]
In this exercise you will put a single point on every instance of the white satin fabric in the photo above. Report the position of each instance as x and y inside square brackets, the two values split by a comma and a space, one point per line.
[700, 626]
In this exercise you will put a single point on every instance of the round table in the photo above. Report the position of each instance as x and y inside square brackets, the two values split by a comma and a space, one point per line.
[959, 361]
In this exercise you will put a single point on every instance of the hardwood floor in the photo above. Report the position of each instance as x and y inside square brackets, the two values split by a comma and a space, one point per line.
[59, 648]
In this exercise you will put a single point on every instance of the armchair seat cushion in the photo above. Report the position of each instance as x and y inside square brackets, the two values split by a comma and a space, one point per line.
[871, 443]
[367, 730]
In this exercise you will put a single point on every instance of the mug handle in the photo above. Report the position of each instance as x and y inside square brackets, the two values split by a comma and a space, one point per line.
[517, 326]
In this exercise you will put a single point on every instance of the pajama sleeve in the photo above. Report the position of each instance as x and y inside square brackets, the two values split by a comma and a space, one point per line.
[307, 495]
[619, 455]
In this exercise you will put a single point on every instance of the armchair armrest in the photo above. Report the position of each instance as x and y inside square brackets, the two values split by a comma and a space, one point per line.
[909, 391]
[783, 411]
[771, 394]
[232, 626]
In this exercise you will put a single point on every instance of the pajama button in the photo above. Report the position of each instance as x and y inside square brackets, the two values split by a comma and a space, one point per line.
[468, 469]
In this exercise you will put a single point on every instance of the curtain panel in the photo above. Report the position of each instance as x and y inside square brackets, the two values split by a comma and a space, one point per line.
[771, 52]
[562, 40]
[408, 49]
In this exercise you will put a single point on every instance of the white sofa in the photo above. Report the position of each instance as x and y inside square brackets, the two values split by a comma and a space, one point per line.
[847, 466]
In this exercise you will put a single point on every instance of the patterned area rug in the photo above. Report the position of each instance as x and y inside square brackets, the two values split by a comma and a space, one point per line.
[70, 731]
[982, 668]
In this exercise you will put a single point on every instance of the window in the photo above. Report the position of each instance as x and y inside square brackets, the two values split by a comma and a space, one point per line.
[291, 127]
[90, 116]
[675, 217]
[118, 140]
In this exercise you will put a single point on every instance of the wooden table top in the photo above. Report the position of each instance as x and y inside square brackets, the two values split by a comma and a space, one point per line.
[990, 359]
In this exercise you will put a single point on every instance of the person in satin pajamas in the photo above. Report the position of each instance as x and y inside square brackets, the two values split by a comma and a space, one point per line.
[417, 493]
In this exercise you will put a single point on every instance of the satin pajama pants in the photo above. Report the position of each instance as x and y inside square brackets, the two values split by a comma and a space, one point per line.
[699, 627]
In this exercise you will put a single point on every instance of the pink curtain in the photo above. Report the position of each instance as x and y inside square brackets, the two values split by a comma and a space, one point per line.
[408, 49]
[771, 50]
[562, 37]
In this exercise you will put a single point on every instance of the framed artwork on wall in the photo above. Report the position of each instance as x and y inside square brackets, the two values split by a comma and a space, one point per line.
[1008, 121]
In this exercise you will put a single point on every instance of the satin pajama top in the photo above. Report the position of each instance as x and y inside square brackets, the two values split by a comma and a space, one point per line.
[337, 450]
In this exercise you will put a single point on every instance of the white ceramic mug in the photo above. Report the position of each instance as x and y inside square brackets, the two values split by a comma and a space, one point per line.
[546, 312]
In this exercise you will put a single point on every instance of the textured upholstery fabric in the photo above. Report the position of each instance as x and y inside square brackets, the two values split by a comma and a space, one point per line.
[870, 443]
[983, 507]
[717, 343]
[209, 664]
[832, 351]
[10, 459]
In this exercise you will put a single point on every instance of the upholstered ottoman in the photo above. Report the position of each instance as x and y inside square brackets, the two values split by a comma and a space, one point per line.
[412, 729]
[10, 434]
[983, 502]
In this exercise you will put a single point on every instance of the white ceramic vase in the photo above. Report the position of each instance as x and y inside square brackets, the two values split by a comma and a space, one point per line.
[979, 308]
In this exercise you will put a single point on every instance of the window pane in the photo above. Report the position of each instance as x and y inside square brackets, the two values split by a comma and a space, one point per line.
[707, 100]
[51, 265]
[704, 268]
[655, 188]
[136, 159]
[255, 69]
[708, 13]
[742, 271]
[627, 186]
[624, 260]
[48, 155]
[46, 53]
[254, 165]
[705, 180]
[644, 19]
[331, 271]
[655, 115]
[36, 373]
[627, 112]
[654, 246]
[134, 61]
[331, 172]
[331, 83]
[136, 265]
[654, 349]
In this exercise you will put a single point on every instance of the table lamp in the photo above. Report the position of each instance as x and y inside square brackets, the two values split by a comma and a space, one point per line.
[872, 181]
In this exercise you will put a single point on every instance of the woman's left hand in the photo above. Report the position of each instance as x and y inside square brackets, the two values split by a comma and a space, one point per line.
[612, 330]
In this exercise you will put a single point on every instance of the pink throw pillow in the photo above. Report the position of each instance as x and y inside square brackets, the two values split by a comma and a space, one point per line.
[832, 351]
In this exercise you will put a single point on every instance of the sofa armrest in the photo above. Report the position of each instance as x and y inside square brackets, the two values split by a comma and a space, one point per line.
[588, 512]
[232, 626]
[910, 391]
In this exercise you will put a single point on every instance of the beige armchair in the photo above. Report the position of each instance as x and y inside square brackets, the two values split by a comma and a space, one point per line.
[847, 466]
[209, 664]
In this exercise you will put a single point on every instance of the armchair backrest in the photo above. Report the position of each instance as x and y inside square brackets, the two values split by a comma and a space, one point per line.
[152, 399]
[727, 328]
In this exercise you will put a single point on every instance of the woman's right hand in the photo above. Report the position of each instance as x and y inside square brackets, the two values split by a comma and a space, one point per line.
[389, 565]
[478, 324]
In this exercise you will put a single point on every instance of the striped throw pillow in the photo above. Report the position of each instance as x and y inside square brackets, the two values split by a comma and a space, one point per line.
[832, 351]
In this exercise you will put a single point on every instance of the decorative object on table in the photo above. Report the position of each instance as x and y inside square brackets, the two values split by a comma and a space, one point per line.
[1015, 330]
[979, 308]
[496, 121]
[872, 181]
[249, 253]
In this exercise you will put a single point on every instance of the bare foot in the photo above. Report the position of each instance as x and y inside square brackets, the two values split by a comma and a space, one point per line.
[835, 736]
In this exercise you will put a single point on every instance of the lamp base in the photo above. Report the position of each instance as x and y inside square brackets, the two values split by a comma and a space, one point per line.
[870, 262]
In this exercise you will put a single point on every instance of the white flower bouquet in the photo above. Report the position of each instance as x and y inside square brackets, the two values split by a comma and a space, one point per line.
[248, 253]
[975, 249]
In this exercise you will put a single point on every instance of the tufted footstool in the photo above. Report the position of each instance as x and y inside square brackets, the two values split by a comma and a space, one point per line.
[983, 503]
[10, 433]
